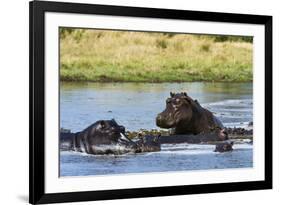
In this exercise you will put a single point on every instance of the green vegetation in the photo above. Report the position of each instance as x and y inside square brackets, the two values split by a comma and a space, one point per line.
[105, 56]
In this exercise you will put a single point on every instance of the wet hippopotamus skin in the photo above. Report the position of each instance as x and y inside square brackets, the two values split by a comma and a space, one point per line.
[224, 147]
[103, 137]
[149, 143]
[186, 116]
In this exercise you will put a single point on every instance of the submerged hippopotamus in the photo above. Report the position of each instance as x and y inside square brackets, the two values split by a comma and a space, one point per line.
[186, 116]
[224, 147]
[103, 137]
[149, 143]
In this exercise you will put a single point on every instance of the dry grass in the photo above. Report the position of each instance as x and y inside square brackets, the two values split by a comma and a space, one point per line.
[95, 55]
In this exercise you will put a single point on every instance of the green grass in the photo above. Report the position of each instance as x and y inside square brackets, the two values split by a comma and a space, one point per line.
[120, 56]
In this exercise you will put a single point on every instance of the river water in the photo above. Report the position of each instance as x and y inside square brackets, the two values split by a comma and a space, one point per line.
[135, 106]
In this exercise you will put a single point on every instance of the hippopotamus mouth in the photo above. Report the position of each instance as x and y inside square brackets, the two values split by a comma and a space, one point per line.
[121, 146]
[119, 134]
[145, 144]
[123, 139]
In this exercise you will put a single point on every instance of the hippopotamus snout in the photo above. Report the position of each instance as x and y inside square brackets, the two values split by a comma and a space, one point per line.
[159, 119]
[164, 120]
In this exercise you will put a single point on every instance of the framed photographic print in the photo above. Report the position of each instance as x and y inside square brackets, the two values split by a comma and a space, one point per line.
[130, 102]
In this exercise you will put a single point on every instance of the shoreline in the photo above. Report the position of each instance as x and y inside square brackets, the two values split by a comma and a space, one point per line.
[156, 81]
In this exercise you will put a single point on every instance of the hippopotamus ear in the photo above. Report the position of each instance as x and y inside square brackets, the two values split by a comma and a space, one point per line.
[102, 123]
[172, 94]
[184, 93]
[196, 101]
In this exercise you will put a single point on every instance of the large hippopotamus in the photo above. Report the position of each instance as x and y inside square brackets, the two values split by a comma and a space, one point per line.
[103, 137]
[186, 116]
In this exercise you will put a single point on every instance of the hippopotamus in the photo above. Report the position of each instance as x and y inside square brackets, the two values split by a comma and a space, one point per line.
[186, 116]
[224, 147]
[149, 143]
[103, 137]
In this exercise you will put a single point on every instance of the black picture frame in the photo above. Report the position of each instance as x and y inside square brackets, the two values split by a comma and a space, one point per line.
[37, 85]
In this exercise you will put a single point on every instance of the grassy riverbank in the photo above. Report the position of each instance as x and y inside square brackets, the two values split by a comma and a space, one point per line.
[105, 56]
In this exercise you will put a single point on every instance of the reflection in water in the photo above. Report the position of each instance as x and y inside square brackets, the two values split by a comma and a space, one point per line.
[135, 105]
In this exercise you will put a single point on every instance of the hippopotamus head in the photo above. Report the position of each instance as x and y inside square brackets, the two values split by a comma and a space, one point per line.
[106, 136]
[149, 144]
[105, 132]
[178, 109]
